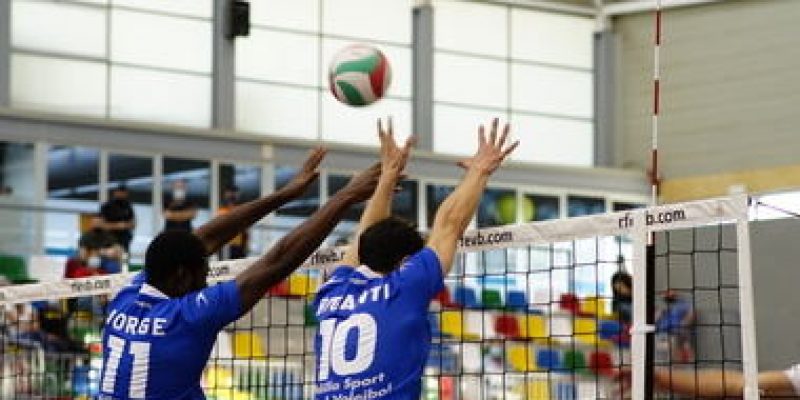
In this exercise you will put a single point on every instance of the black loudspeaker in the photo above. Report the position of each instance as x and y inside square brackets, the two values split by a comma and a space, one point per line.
[239, 24]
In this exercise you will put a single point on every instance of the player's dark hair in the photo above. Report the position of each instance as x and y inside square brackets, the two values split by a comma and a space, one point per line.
[385, 244]
[175, 263]
[622, 277]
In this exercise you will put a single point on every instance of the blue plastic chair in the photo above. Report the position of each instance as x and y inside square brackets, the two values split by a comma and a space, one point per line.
[466, 297]
[516, 300]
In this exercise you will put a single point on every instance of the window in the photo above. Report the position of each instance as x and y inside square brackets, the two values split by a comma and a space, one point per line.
[532, 68]
[17, 185]
[73, 179]
[578, 206]
[497, 207]
[145, 60]
[435, 195]
[192, 178]
[541, 207]
[58, 85]
[136, 174]
[289, 95]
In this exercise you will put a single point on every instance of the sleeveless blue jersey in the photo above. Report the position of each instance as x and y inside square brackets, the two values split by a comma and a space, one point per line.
[156, 347]
[374, 335]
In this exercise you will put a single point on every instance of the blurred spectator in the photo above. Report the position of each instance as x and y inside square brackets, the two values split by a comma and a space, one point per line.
[622, 302]
[179, 211]
[676, 321]
[119, 217]
[237, 247]
[97, 237]
[98, 253]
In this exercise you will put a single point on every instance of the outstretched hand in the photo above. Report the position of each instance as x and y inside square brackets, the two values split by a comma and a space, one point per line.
[307, 174]
[491, 151]
[393, 157]
[363, 185]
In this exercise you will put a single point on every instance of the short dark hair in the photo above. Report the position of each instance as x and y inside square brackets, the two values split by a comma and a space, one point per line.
[170, 252]
[622, 277]
[385, 244]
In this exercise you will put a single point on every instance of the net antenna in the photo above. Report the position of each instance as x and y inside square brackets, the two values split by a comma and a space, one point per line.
[643, 339]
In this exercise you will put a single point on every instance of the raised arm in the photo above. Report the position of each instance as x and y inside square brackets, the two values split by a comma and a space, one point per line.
[293, 249]
[457, 210]
[720, 383]
[223, 228]
[379, 206]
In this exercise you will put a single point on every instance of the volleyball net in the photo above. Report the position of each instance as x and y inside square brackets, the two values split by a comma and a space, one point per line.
[528, 313]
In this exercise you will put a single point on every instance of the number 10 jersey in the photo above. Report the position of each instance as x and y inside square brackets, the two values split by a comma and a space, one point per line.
[374, 335]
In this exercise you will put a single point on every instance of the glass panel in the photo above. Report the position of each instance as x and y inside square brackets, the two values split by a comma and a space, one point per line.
[16, 172]
[435, 195]
[368, 19]
[53, 85]
[278, 57]
[72, 194]
[552, 140]
[154, 96]
[60, 28]
[552, 91]
[238, 184]
[470, 27]
[294, 212]
[497, 207]
[245, 180]
[159, 41]
[292, 14]
[406, 201]
[625, 206]
[17, 185]
[399, 61]
[456, 128]
[277, 110]
[552, 38]
[541, 208]
[135, 174]
[186, 187]
[468, 80]
[336, 183]
[357, 125]
[583, 205]
[73, 173]
[193, 8]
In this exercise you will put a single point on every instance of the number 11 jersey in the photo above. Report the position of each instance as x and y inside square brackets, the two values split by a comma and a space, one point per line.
[374, 335]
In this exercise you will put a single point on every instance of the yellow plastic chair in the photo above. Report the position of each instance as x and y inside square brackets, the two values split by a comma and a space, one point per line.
[596, 306]
[533, 327]
[538, 390]
[452, 323]
[521, 359]
[300, 285]
[247, 345]
[585, 330]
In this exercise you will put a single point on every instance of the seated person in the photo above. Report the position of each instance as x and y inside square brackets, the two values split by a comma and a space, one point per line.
[98, 253]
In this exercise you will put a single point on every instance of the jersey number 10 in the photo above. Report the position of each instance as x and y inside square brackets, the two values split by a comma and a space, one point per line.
[334, 343]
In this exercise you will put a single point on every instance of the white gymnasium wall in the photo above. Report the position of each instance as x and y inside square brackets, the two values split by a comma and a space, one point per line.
[731, 85]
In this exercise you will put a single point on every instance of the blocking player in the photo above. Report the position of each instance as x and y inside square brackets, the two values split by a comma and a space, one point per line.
[374, 335]
[161, 328]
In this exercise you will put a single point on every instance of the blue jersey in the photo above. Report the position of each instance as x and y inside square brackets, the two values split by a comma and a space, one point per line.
[156, 347]
[374, 335]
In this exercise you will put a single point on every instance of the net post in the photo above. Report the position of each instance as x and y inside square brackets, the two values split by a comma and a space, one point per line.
[640, 329]
[650, 311]
[746, 308]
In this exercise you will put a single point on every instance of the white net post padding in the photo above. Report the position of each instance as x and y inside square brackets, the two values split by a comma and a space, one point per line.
[635, 224]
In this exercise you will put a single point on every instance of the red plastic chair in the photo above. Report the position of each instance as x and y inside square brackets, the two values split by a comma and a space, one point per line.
[508, 326]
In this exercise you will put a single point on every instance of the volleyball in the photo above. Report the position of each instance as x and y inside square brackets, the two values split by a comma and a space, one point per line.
[359, 75]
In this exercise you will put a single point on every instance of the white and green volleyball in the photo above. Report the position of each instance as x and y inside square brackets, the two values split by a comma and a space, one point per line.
[359, 75]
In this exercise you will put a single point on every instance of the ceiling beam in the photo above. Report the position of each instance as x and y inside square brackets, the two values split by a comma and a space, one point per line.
[637, 6]
[553, 6]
